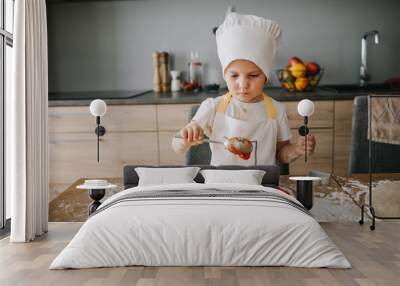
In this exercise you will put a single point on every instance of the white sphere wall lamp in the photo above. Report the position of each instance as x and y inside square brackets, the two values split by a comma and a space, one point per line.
[98, 108]
[305, 108]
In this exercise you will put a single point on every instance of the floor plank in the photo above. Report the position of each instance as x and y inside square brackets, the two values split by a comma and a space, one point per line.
[375, 257]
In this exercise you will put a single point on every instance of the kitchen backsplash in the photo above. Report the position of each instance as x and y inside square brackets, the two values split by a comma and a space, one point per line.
[109, 45]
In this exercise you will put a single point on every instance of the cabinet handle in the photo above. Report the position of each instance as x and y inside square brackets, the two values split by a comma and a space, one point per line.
[61, 115]
[61, 141]
[54, 115]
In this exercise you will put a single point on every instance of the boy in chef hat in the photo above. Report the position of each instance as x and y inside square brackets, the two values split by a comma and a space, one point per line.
[247, 48]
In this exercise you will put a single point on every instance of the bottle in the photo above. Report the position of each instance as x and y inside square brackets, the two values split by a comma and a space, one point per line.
[195, 70]
[164, 65]
[156, 75]
[175, 82]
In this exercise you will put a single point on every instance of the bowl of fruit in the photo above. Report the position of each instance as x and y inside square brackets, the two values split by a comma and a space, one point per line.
[300, 76]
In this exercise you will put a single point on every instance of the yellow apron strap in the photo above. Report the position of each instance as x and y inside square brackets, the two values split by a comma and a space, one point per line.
[224, 102]
[269, 107]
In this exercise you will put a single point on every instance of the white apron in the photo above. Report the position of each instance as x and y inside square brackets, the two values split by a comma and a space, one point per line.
[264, 132]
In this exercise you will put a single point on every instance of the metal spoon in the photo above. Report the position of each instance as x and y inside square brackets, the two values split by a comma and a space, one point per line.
[228, 144]
[225, 142]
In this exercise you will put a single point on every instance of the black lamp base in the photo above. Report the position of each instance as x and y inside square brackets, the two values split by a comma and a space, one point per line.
[96, 195]
[305, 193]
[100, 130]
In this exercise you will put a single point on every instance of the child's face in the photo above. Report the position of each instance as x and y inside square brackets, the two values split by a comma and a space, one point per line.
[245, 80]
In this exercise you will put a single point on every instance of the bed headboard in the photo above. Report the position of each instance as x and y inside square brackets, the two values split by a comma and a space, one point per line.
[270, 179]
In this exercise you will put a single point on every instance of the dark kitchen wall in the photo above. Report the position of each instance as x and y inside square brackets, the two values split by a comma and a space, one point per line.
[108, 45]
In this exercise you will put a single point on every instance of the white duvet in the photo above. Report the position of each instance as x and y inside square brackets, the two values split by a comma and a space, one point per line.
[200, 231]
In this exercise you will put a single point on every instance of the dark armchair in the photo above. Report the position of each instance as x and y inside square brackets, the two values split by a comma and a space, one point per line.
[385, 157]
[200, 154]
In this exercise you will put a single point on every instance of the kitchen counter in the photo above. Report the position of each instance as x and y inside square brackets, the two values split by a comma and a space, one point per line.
[149, 97]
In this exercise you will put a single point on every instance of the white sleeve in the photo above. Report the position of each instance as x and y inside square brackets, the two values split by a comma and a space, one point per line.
[204, 117]
[179, 146]
[284, 132]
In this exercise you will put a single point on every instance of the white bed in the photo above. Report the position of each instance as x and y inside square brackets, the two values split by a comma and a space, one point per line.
[206, 230]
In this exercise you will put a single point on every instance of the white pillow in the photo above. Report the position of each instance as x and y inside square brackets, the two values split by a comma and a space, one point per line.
[249, 177]
[164, 176]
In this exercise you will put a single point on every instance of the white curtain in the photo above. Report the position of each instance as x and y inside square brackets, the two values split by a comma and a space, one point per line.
[27, 150]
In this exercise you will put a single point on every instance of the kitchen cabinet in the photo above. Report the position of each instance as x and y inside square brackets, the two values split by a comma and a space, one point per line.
[167, 155]
[141, 134]
[131, 137]
[322, 157]
[342, 136]
[73, 155]
[322, 117]
[119, 118]
[321, 125]
[170, 119]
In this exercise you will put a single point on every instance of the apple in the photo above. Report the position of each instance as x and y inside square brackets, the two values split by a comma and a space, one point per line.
[294, 60]
[312, 68]
[298, 70]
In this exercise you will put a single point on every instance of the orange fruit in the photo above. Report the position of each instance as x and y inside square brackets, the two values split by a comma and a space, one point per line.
[301, 83]
[298, 70]
[284, 84]
[289, 86]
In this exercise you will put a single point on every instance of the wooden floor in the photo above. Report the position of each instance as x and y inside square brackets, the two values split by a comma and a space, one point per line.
[375, 257]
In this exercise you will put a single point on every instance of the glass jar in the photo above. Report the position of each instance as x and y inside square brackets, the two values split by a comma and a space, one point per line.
[195, 70]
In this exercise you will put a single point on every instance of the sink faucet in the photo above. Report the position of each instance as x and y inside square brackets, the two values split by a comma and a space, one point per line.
[231, 8]
[364, 76]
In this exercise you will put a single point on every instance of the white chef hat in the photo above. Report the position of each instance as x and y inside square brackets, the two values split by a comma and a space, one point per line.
[248, 37]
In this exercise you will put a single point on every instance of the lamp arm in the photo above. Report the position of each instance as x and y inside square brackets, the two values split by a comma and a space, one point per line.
[305, 138]
[98, 138]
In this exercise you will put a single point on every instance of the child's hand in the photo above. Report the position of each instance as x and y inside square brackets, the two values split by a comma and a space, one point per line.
[299, 146]
[192, 133]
